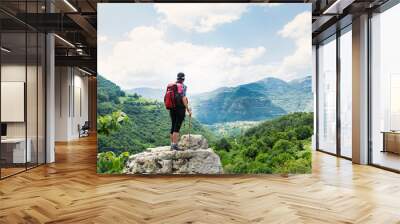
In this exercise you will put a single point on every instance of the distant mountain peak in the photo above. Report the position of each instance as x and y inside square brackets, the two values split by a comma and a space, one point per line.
[148, 92]
[271, 82]
[272, 79]
[302, 79]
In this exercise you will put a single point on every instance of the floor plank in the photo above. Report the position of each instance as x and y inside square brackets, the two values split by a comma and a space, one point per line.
[70, 191]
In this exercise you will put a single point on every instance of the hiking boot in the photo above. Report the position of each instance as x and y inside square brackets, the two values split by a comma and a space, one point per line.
[175, 147]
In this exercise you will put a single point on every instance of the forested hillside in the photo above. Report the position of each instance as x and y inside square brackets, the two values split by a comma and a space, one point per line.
[107, 94]
[281, 145]
[266, 99]
[149, 121]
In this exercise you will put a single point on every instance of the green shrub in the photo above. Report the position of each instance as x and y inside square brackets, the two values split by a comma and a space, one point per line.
[223, 144]
[250, 152]
[224, 156]
[295, 166]
[278, 146]
[283, 145]
[108, 162]
[240, 167]
[303, 132]
[257, 167]
[111, 122]
[263, 158]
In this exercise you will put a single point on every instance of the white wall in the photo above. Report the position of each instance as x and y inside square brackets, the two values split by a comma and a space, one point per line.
[360, 90]
[33, 126]
[50, 94]
[17, 73]
[62, 82]
[12, 73]
[80, 109]
[71, 102]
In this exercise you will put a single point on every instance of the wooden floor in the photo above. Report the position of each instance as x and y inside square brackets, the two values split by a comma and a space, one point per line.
[10, 171]
[70, 191]
[386, 159]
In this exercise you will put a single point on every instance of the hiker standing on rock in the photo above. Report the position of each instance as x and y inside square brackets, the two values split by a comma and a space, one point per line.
[177, 103]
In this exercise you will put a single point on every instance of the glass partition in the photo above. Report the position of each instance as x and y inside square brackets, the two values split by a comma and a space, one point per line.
[385, 89]
[327, 95]
[14, 153]
[22, 78]
[346, 93]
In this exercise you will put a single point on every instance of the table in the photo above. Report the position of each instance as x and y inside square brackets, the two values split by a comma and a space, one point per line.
[391, 141]
[13, 150]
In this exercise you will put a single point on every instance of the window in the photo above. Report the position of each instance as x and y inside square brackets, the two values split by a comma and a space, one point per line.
[346, 93]
[327, 95]
[385, 89]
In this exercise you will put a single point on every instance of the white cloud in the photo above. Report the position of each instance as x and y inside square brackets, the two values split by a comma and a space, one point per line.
[299, 30]
[200, 17]
[299, 27]
[147, 59]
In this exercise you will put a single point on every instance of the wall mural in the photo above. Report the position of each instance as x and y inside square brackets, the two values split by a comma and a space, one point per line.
[204, 88]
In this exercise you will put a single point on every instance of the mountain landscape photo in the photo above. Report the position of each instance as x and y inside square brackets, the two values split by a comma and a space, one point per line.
[248, 88]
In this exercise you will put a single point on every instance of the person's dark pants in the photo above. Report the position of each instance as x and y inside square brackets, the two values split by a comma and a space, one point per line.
[177, 117]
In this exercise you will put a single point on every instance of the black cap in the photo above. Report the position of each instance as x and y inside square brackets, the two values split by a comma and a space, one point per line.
[180, 76]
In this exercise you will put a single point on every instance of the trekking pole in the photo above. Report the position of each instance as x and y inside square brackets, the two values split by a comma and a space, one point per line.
[190, 126]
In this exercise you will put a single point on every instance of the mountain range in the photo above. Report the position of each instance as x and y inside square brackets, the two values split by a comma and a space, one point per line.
[150, 93]
[264, 99]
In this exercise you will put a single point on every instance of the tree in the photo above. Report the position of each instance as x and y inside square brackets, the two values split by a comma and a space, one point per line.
[223, 144]
[110, 123]
[108, 162]
[280, 145]
[303, 132]
[283, 145]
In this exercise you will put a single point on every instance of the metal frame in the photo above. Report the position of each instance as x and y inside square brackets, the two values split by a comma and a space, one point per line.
[26, 90]
[44, 74]
[369, 81]
[316, 97]
[338, 75]
[337, 34]
[340, 33]
[389, 4]
[317, 94]
[0, 91]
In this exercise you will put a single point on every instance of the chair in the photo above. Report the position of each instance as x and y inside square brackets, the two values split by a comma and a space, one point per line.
[84, 130]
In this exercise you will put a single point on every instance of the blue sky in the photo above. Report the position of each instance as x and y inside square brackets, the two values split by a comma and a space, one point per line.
[145, 45]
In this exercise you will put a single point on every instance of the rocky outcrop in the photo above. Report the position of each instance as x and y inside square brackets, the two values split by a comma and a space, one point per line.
[194, 158]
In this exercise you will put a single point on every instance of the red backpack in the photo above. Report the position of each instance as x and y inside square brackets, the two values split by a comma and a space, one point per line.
[173, 98]
[169, 98]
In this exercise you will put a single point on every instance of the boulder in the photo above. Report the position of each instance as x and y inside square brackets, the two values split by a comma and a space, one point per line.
[193, 142]
[194, 158]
